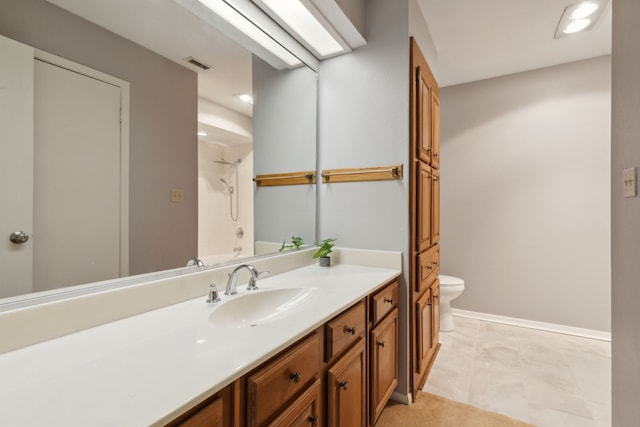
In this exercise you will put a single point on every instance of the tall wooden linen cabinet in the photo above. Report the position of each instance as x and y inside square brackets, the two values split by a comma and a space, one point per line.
[425, 219]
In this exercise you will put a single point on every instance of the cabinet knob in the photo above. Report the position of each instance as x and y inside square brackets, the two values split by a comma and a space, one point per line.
[313, 419]
[343, 385]
[295, 376]
[381, 344]
[388, 300]
[352, 331]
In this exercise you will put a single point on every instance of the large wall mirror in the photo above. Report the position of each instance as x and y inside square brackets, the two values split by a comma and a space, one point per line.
[178, 184]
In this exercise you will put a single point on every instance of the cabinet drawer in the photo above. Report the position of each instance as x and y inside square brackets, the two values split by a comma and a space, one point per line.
[345, 329]
[383, 302]
[428, 268]
[275, 384]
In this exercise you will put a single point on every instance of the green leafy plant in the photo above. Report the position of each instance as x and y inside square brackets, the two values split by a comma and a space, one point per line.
[324, 248]
[296, 242]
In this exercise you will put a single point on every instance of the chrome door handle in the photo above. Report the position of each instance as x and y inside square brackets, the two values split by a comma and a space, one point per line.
[18, 237]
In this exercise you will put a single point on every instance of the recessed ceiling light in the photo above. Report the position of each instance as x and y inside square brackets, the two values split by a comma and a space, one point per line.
[584, 10]
[202, 133]
[579, 17]
[245, 97]
[577, 25]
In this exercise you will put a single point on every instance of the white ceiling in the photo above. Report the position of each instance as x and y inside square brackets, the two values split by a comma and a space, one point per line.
[477, 39]
[170, 30]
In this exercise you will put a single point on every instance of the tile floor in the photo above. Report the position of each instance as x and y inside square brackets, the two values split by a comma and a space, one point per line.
[544, 378]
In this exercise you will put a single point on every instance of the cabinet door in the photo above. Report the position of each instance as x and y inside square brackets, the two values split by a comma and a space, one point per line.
[423, 205]
[435, 207]
[383, 353]
[304, 411]
[423, 116]
[346, 404]
[209, 416]
[424, 319]
[435, 130]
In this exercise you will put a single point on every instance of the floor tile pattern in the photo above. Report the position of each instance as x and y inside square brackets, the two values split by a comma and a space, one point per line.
[544, 378]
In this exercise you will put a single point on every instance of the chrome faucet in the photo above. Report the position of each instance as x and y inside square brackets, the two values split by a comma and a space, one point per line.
[195, 262]
[233, 279]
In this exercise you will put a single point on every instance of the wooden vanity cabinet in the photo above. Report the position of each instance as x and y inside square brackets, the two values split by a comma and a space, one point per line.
[341, 374]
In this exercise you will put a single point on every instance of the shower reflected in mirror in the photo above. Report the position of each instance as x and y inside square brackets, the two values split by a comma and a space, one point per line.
[230, 188]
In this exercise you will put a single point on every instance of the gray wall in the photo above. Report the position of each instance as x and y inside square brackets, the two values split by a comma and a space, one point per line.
[163, 125]
[525, 193]
[284, 141]
[364, 121]
[625, 214]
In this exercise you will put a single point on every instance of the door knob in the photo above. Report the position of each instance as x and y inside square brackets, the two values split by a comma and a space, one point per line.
[18, 237]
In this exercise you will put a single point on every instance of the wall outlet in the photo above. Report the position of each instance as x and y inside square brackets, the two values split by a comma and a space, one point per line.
[177, 195]
[629, 179]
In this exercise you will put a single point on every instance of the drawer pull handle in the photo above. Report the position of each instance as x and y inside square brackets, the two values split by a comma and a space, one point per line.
[295, 376]
[343, 385]
[313, 419]
[352, 331]
[388, 300]
[381, 344]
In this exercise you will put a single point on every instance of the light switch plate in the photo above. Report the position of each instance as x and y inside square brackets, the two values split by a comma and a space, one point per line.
[629, 179]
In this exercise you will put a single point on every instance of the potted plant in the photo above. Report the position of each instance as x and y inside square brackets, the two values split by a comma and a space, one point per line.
[324, 249]
[296, 242]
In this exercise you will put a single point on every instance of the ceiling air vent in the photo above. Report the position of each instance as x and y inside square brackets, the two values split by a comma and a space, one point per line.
[191, 60]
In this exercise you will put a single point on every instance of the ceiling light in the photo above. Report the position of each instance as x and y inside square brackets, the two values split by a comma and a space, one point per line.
[307, 25]
[584, 9]
[239, 21]
[202, 133]
[245, 97]
[579, 17]
[577, 25]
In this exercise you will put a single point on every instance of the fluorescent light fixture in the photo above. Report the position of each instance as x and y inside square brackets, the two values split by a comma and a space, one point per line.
[579, 17]
[305, 24]
[202, 133]
[233, 17]
[245, 97]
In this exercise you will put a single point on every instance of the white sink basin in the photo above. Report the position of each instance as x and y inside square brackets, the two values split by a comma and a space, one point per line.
[258, 307]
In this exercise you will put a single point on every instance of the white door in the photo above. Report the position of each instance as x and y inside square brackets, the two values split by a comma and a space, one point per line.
[16, 165]
[77, 172]
[63, 172]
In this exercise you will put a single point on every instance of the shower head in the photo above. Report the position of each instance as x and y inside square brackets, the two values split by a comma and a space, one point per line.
[226, 184]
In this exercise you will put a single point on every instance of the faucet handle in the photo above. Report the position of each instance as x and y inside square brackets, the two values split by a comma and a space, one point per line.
[252, 281]
[213, 294]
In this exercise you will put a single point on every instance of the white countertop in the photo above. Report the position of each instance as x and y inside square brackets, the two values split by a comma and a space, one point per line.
[150, 368]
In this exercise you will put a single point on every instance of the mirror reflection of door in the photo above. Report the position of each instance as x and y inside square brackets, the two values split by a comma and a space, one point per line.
[78, 209]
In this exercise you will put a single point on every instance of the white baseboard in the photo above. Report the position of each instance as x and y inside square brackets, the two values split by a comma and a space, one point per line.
[532, 324]
[401, 398]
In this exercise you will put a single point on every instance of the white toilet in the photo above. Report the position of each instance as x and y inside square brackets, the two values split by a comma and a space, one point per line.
[450, 289]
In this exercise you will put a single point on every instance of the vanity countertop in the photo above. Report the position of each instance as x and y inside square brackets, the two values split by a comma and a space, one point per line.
[150, 368]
